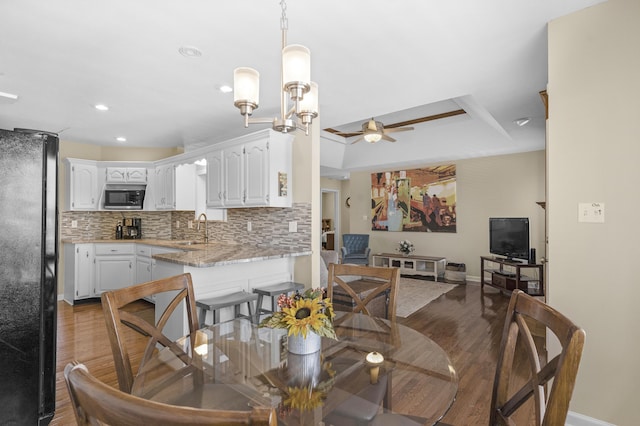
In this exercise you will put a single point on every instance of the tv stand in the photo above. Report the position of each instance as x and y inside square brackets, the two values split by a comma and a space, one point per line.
[507, 275]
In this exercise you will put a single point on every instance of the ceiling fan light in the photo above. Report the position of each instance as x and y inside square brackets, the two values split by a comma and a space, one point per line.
[372, 137]
[246, 89]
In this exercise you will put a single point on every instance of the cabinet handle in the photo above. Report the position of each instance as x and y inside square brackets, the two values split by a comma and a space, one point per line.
[220, 195]
[129, 265]
[149, 268]
[87, 255]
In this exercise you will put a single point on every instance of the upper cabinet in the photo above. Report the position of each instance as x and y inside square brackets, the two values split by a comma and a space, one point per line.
[82, 188]
[165, 187]
[253, 171]
[126, 175]
[250, 171]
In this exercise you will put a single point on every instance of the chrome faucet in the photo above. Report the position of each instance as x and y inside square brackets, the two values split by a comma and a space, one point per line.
[206, 231]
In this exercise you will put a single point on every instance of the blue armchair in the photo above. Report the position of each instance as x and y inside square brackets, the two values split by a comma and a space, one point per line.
[355, 249]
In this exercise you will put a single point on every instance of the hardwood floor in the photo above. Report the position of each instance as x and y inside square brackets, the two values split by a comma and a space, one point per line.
[466, 322]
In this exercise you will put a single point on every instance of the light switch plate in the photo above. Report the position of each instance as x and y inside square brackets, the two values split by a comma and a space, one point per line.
[74, 223]
[293, 226]
[591, 212]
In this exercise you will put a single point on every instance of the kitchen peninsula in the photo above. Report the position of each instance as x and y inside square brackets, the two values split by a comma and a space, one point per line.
[217, 268]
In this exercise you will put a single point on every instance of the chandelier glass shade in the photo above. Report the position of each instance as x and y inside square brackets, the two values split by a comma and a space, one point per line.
[300, 107]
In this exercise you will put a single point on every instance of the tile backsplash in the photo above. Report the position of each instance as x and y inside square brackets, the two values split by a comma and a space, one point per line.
[269, 226]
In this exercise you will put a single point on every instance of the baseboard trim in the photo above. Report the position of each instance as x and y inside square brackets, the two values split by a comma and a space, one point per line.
[577, 419]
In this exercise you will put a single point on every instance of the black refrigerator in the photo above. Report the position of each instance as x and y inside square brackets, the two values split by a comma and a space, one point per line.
[28, 283]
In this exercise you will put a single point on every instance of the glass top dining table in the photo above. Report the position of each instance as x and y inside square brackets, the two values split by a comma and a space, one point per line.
[236, 365]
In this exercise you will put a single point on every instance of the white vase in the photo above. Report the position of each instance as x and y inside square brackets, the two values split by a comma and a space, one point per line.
[300, 345]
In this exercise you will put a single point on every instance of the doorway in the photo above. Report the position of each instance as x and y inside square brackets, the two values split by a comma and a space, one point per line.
[331, 219]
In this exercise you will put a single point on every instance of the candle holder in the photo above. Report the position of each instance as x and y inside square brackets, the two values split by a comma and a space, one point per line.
[374, 360]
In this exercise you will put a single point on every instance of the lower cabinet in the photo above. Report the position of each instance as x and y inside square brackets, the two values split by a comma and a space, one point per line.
[93, 268]
[79, 277]
[114, 266]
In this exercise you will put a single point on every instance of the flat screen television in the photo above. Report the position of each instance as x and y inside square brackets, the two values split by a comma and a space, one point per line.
[509, 237]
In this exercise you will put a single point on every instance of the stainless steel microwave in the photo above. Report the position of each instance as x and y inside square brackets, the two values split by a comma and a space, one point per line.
[124, 199]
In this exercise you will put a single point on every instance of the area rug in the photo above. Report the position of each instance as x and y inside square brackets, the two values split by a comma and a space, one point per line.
[413, 294]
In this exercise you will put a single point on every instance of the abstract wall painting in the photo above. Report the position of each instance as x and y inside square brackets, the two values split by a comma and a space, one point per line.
[417, 200]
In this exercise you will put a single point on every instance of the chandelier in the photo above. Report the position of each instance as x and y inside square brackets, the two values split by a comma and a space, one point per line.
[298, 94]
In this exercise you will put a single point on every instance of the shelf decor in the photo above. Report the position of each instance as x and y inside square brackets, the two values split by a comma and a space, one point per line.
[405, 247]
[307, 317]
[417, 200]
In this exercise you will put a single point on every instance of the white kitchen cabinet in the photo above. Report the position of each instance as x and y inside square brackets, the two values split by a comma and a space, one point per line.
[79, 272]
[215, 179]
[82, 188]
[165, 188]
[114, 266]
[126, 175]
[143, 263]
[252, 171]
[234, 176]
[256, 157]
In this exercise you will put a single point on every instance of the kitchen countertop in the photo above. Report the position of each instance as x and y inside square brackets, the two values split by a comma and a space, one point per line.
[201, 255]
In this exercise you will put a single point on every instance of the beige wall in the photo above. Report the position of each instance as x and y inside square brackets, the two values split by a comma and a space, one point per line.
[594, 146]
[306, 189]
[501, 186]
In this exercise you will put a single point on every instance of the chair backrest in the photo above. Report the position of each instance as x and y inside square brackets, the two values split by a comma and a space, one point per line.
[355, 243]
[379, 283]
[117, 318]
[95, 402]
[524, 312]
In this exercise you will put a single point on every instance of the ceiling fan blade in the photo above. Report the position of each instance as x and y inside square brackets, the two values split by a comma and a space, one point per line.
[388, 138]
[397, 129]
[361, 138]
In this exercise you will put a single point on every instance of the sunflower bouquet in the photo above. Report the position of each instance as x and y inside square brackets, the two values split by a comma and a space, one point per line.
[302, 313]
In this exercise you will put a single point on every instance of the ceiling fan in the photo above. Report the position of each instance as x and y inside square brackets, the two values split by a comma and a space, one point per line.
[373, 131]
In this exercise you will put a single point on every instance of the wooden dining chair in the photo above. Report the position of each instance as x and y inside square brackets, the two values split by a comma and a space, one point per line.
[95, 402]
[364, 287]
[550, 407]
[117, 317]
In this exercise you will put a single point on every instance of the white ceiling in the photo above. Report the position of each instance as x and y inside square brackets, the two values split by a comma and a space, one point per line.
[393, 60]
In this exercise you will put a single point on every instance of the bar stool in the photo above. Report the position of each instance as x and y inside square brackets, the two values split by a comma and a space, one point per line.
[214, 304]
[273, 291]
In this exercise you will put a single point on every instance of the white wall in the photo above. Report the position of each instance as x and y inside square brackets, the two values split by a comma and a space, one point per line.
[500, 186]
[594, 146]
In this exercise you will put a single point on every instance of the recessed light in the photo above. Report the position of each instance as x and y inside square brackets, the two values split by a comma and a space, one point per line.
[225, 89]
[190, 51]
[101, 107]
[121, 139]
[522, 121]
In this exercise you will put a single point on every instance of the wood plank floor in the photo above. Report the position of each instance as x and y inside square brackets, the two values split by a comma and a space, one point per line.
[465, 322]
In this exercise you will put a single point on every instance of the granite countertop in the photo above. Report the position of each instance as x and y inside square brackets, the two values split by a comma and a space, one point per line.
[201, 255]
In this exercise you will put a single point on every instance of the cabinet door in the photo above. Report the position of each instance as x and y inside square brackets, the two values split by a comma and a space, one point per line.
[170, 186]
[136, 175]
[84, 273]
[257, 173]
[143, 270]
[116, 174]
[84, 187]
[234, 177]
[215, 179]
[113, 272]
[165, 187]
